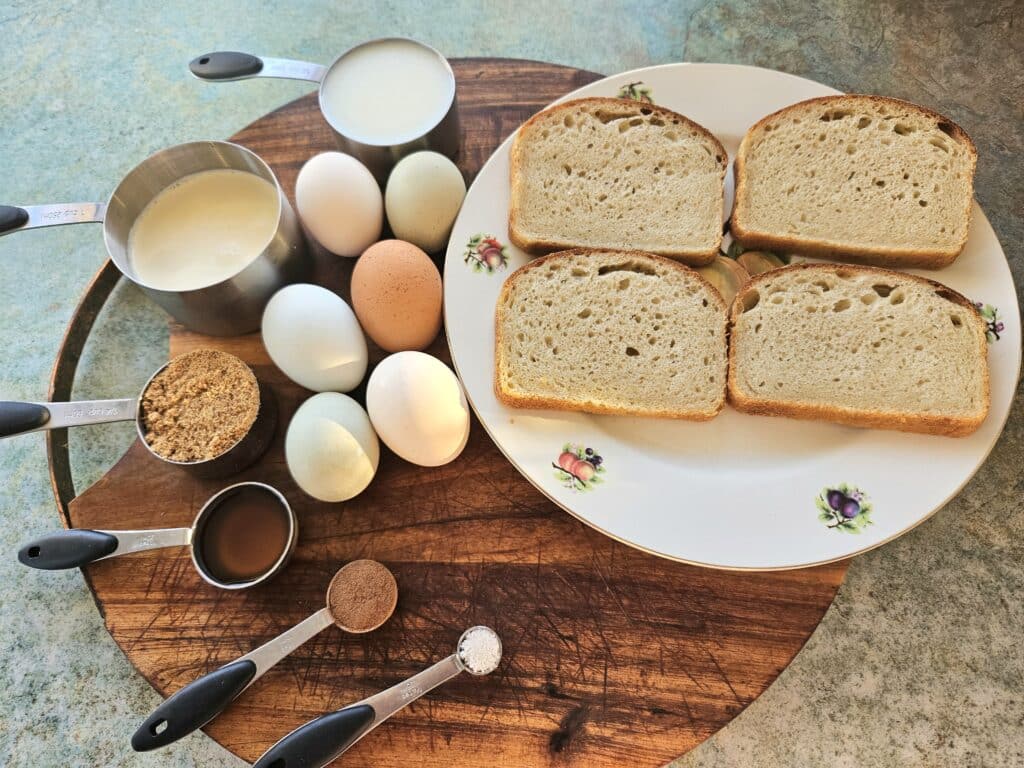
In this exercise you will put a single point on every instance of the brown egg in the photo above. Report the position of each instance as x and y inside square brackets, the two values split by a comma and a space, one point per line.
[396, 293]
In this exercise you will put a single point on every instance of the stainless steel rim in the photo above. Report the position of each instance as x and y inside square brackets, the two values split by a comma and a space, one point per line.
[141, 432]
[458, 656]
[392, 38]
[139, 167]
[211, 503]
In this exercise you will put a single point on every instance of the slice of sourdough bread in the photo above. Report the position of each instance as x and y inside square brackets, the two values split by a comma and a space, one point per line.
[858, 345]
[617, 173]
[611, 332]
[863, 179]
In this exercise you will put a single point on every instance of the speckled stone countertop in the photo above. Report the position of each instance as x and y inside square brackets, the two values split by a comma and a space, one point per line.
[918, 662]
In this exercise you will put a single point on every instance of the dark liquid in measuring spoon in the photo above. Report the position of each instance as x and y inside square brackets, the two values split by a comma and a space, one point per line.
[244, 535]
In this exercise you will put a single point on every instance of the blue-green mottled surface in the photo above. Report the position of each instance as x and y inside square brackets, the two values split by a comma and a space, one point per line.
[918, 662]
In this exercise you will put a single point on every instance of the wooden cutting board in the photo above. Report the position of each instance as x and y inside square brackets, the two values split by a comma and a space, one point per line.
[612, 656]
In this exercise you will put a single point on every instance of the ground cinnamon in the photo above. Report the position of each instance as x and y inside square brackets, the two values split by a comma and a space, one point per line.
[199, 406]
[362, 596]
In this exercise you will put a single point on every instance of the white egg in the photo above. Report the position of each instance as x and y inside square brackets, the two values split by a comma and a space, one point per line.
[313, 336]
[418, 408]
[424, 193]
[340, 203]
[331, 448]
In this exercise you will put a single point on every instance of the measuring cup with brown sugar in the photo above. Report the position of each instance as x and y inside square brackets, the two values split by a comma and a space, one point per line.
[204, 411]
[360, 598]
[242, 536]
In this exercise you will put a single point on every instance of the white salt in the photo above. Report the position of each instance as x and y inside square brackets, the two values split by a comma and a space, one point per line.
[480, 650]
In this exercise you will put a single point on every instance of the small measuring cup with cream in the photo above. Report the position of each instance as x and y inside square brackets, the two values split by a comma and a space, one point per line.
[203, 228]
[204, 411]
[320, 741]
[383, 99]
[360, 598]
[241, 537]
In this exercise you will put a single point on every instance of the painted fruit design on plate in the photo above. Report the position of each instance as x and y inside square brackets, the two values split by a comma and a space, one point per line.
[579, 467]
[485, 253]
[636, 91]
[993, 325]
[844, 507]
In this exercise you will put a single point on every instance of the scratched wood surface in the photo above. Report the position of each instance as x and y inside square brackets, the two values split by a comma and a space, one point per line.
[612, 656]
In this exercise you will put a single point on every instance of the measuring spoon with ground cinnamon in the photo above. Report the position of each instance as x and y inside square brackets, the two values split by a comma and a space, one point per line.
[360, 598]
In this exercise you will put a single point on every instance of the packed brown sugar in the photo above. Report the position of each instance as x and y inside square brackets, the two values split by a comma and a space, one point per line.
[199, 406]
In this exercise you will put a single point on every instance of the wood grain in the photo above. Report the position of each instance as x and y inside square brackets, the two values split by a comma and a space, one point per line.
[612, 656]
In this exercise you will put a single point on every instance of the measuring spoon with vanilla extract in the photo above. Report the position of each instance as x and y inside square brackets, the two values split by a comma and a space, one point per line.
[360, 598]
[241, 537]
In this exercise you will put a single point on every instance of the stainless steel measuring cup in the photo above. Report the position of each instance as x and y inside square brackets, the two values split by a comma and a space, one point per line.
[231, 307]
[320, 741]
[19, 418]
[77, 547]
[443, 136]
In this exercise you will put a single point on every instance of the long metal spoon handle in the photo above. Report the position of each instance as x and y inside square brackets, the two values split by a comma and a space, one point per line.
[387, 702]
[320, 741]
[19, 418]
[18, 217]
[193, 706]
[271, 652]
[77, 547]
[155, 538]
[224, 66]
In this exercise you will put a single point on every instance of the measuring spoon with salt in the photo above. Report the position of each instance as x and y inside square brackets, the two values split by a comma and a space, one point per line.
[320, 741]
[360, 598]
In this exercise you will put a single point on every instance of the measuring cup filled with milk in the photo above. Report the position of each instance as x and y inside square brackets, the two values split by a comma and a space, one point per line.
[383, 99]
[203, 228]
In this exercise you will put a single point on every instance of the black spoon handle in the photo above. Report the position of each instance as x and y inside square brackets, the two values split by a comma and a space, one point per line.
[67, 549]
[17, 418]
[319, 741]
[11, 218]
[225, 65]
[193, 706]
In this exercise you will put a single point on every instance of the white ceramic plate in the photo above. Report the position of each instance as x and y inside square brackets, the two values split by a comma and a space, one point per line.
[738, 492]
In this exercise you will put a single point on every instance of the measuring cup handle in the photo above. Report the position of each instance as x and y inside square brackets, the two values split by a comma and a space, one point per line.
[224, 66]
[17, 217]
[319, 741]
[11, 218]
[193, 706]
[67, 549]
[17, 418]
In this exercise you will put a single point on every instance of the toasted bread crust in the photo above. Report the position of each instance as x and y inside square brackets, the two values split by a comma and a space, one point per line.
[628, 107]
[553, 403]
[924, 423]
[834, 251]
